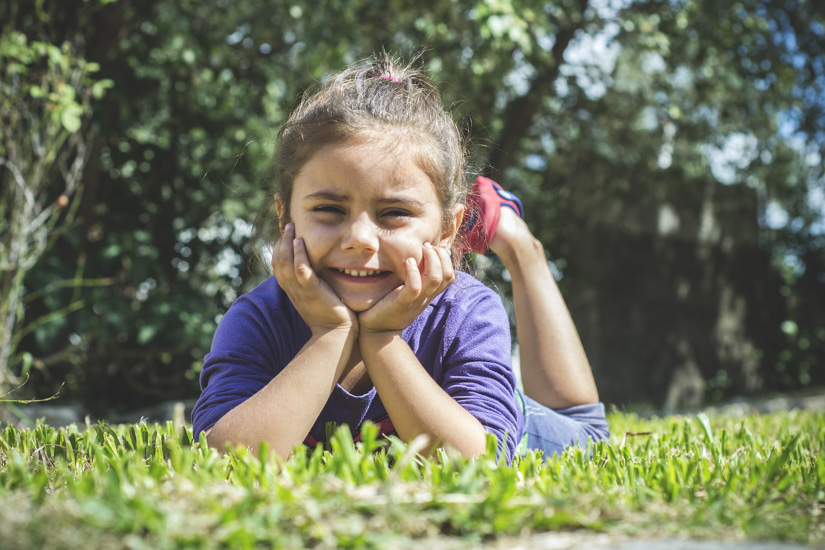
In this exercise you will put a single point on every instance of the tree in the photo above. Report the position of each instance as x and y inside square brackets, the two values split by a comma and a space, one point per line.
[694, 126]
[45, 98]
[183, 136]
[611, 121]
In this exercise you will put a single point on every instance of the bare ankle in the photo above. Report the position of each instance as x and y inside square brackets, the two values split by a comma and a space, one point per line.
[513, 242]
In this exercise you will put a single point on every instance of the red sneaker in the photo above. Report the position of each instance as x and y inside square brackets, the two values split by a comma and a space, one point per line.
[483, 212]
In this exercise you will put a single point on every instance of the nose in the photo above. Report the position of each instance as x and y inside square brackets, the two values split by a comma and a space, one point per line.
[360, 234]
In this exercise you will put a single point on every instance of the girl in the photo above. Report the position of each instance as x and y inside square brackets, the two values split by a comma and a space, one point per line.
[366, 318]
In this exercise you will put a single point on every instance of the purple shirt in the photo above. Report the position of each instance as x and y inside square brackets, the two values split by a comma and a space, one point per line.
[462, 339]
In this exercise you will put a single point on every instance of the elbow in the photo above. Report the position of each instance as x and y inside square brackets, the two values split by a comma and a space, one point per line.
[472, 445]
[217, 439]
[470, 449]
[214, 440]
[469, 446]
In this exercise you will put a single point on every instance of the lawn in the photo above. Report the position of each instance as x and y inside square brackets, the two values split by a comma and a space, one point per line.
[758, 477]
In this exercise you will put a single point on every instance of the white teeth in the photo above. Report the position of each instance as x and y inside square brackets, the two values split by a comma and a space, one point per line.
[357, 273]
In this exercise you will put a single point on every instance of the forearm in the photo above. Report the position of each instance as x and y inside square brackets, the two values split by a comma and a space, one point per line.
[283, 411]
[416, 404]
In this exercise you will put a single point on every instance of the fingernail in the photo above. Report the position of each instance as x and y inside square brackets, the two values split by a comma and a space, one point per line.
[428, 245]
[289, 226]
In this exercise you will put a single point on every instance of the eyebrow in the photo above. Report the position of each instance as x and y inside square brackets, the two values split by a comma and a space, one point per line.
[343, 197]
[328, 195]
[400, 199]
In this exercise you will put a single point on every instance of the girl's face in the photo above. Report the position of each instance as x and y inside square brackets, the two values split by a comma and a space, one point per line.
[362, 210]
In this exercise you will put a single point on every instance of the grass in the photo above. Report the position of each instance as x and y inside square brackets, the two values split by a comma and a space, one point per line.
[149, 486]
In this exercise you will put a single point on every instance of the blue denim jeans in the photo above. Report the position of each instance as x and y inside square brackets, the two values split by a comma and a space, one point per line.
[553, 430]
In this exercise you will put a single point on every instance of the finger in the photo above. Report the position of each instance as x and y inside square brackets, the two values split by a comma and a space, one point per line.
[433, 273]
[303, 270]
[273, 261]
[282, 254]
[446, 266]
[412, 282]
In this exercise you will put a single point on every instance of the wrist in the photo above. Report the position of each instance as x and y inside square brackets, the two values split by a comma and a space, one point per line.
[345, 330]
[377, 338]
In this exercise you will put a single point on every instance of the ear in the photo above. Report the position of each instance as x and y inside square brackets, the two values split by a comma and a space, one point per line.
[450, 230]
[281, 211]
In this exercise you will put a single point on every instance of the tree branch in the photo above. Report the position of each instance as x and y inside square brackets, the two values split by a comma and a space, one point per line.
[522, 111]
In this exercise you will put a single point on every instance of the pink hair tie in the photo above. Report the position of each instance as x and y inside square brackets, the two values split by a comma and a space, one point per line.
[390, 78]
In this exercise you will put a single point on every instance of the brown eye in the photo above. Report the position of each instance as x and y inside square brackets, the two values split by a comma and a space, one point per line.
[328, 209]
[397, 213]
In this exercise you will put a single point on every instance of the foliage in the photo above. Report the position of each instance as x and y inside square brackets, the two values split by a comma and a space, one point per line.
[600, 115]
[185, 136]
[45, 96]
[149, 486]
[733, 97]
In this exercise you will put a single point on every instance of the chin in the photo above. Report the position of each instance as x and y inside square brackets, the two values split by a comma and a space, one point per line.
[359, 306]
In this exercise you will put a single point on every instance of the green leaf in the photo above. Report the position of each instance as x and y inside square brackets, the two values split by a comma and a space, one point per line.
[99, 88]
[146, 334]
[70, 117]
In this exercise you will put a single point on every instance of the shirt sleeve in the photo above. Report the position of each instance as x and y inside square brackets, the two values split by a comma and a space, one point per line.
[478, 367]
[253, 342]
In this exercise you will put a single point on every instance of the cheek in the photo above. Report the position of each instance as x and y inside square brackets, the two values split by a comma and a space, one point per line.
[410, 245]
[314, 241]
[312, 253]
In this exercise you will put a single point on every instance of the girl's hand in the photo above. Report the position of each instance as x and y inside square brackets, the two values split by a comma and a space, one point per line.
[316, 302]
[399, 308]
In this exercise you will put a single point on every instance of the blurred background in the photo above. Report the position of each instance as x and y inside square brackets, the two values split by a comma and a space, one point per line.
[669, 154]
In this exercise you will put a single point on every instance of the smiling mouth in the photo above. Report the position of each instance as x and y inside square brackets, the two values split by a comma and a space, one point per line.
[361, 272]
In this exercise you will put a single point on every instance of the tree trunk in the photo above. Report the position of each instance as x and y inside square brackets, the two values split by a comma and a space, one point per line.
[523, 111]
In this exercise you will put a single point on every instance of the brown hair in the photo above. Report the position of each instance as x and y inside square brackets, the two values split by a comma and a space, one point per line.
[377, 99]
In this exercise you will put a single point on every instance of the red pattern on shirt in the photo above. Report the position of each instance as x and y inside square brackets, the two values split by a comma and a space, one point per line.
[384, 425]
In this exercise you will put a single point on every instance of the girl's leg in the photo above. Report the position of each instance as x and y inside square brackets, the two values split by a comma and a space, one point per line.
[554, 367]
[561, 403]
[552, 431]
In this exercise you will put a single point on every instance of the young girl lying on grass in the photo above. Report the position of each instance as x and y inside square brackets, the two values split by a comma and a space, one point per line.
[366, 317]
